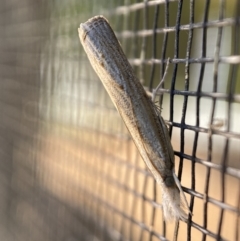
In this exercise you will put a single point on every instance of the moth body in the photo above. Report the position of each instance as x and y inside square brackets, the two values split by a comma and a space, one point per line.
[138, 112]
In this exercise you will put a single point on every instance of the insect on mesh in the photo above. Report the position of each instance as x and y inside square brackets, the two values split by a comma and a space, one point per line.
[69, 168]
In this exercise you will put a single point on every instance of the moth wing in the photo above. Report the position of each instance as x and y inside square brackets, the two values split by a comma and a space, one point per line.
[152, 160]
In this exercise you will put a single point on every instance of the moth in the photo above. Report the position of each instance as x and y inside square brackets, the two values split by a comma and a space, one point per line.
[146, 126]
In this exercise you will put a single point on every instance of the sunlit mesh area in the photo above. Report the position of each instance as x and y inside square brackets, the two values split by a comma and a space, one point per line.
[69, 169]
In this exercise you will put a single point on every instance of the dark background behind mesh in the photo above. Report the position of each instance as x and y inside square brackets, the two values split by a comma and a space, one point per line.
[69, 170]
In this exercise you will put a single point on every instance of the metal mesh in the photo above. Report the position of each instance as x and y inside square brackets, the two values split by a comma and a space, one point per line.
[69, 169]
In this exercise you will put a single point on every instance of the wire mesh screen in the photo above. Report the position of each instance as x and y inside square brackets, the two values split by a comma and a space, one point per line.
[69, 168]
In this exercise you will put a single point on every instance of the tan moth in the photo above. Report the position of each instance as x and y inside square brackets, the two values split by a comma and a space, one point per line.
[138, 112]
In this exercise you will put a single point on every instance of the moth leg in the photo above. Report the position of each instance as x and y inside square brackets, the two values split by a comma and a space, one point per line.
[154, 92]
[216, 124]
[181, 192]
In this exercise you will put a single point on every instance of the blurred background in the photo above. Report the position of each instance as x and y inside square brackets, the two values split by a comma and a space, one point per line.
[69, 170]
